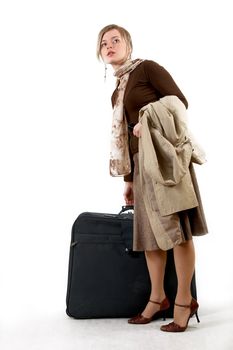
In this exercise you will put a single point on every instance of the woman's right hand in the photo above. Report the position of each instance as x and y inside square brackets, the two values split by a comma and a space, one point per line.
[137, 130]
[128, 193]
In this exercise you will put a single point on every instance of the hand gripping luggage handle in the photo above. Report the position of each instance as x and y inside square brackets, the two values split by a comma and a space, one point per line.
[126, 208]
[128, 250]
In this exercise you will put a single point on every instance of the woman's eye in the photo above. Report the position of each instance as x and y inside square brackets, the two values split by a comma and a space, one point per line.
[115, 41]
[103, 44]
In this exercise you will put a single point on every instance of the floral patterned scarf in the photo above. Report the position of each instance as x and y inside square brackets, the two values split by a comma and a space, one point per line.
[120, 164]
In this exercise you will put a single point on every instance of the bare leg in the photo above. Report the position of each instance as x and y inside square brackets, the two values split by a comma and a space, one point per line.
[156, 262]
[184, 256]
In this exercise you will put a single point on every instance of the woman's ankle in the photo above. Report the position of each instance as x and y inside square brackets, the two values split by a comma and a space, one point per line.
[159, 297]
[183, 298]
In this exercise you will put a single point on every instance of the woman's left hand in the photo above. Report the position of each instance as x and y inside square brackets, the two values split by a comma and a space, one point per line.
[137, 130]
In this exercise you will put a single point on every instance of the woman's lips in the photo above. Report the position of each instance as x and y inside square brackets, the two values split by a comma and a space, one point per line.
[110, 53]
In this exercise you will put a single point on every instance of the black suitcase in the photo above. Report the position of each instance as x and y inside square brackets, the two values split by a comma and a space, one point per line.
[106, 278]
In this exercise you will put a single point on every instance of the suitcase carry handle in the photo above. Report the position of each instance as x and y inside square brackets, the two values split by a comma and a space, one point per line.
[129, 250]
[126, 208]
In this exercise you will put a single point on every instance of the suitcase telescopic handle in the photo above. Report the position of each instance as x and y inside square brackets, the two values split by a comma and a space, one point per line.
[126, 208]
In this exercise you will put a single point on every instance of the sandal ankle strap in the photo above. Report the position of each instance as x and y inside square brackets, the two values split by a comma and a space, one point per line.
[193, 301]
[155, 302]
[186, 306]
[164, 301]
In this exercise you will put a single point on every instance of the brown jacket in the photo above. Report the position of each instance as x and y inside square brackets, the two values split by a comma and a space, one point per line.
[147, 83]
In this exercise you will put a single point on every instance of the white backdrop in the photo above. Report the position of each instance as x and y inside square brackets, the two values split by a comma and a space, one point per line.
[55, 125]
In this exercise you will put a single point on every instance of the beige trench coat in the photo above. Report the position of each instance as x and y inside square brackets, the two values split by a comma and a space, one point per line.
[165, 154]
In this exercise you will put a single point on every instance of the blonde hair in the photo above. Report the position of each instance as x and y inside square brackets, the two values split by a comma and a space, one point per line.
[123, 32]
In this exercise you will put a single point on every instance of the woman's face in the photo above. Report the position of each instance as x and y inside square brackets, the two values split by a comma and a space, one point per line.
[114, 49]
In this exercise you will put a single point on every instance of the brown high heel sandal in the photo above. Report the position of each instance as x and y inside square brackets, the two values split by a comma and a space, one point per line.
[174, 327]
[140, 319]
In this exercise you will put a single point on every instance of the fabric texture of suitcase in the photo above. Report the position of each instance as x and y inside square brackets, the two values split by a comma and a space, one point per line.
[106, 278]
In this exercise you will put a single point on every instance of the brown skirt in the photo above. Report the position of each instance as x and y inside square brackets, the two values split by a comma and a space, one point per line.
[192, 221]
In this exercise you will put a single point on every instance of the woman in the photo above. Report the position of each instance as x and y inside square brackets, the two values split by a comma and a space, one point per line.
[140, 82]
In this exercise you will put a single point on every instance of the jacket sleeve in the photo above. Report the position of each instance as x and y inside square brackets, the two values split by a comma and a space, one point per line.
[129, 177]
[162, 81]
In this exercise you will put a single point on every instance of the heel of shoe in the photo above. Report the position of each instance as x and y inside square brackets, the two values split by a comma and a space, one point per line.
[194, 309]
[160, 314]
[164, 315]
[196, 314]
